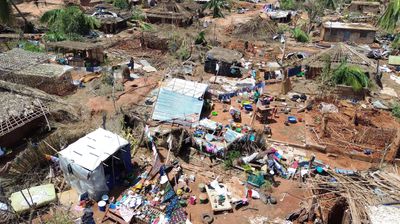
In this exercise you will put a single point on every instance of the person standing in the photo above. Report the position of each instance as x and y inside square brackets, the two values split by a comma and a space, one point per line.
[132, 64]
[217, 67]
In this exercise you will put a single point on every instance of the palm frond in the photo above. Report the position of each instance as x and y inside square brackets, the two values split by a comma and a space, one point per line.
[391, 17]
[350, 76]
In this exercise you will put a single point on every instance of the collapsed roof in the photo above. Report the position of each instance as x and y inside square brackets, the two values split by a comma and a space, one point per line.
[180, 101]
[339, 53]
[109, 14]
[170, 12]
[223, 54]
[256, 28]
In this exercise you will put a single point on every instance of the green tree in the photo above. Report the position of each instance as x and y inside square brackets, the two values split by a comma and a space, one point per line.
[390, 19]
[216, 6]
[70, 22]
[314, 8]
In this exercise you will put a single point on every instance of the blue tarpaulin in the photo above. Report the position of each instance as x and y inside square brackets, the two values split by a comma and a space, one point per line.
[175, 106]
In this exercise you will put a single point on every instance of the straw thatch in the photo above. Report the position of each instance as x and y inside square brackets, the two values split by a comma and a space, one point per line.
[169, 12]
[339, 53]
[224, 55]
[255, 29]
[74, 45]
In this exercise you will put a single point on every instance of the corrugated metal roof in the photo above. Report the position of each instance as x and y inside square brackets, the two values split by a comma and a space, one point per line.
[351, 26]
[394, 60]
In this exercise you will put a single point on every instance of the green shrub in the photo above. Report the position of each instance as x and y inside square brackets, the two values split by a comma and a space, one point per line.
[28, 46]
[282, 28]
[300, 35]
[288, 4]
[122, 4]
[396, 111]
[54, 37]
[230, 157]
[137, 14]
[201, 39]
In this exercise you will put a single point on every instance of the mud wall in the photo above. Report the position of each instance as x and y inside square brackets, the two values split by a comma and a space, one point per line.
[60, 86]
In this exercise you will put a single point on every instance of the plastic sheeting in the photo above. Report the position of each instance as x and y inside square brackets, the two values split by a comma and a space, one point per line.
[83, 180]
[172, 106]
[231, 135]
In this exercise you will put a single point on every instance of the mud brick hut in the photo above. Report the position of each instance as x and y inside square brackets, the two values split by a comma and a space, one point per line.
[365, 7]
[169, 13]
[19, 117]
[228, 59]
[32, 69]
[112, 20]
[344, 32]
[83, 52]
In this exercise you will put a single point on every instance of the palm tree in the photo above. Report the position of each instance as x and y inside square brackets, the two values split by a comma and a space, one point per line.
[391, 17]
[216, 6]
[350, 76]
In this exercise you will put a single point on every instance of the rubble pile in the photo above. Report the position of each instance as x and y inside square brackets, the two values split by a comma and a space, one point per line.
[16, 105]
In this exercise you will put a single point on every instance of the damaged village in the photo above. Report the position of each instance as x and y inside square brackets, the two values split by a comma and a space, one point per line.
[200, 111]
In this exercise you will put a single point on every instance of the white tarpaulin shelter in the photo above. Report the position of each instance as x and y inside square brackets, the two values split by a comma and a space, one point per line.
[82, 161]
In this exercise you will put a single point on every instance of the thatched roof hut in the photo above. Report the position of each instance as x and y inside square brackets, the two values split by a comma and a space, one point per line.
[336, 55]
[169, 12]
[255, 29]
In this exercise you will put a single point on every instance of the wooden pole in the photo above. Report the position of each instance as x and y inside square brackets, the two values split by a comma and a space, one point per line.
[384, 155]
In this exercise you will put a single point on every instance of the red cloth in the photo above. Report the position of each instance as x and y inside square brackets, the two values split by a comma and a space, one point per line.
[295, 164]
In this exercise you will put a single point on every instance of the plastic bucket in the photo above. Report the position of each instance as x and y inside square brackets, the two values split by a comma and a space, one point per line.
[105, 198]
[292, 119]
[102, 206]
[202, 187]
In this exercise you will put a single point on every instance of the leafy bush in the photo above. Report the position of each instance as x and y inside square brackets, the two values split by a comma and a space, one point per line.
[351, 76]
[182, 53]
[230, 157]
[288, 4]
[137, 14]
[28, 46]
[54, 36]
[122, 4]
[201, 39]
[282, 28]
[146, 26]
[300, 35]
[396, 111]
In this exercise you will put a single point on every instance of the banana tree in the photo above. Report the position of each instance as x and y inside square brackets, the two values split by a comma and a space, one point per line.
[390, 19]
[216, 6]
